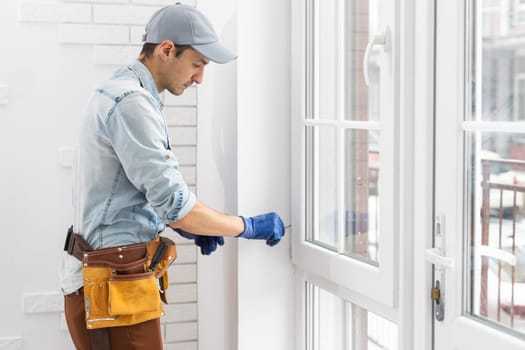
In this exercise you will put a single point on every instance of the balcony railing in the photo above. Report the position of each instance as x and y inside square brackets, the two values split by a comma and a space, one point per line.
[501, 218]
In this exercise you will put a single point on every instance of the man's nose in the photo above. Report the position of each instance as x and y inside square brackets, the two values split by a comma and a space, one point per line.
[197, 77]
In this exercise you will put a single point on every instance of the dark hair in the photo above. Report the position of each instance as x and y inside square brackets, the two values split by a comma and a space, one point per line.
[148, 48]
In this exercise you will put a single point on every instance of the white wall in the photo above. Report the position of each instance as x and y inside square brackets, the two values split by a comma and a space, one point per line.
[265, 275]
[216, 163]
[38, 119]
[246, 296]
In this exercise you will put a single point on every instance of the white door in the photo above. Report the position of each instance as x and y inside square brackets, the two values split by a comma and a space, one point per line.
[479, 231]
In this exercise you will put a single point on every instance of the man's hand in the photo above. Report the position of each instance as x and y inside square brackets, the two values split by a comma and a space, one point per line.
[266, 226]
[208, 244]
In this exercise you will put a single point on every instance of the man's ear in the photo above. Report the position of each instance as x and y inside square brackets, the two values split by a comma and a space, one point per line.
[164, 49]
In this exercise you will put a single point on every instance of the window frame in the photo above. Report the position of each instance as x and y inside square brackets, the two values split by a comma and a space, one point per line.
[337, 268]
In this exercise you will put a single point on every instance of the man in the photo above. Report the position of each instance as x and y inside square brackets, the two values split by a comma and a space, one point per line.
[128, 186]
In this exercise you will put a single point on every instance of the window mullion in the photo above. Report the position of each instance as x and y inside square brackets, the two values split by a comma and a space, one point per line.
[340, 192]
[340, 110]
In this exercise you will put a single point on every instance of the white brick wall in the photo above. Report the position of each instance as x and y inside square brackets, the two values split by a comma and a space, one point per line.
[118, 14]
[186, 254]
[4, 93]
[163, 2]
[186, 155]
[182, 293]
[183, 135]
[54, 12]
[135, 34]
[181, 346]
[115, 54]
[11, 343]
[93, 34]
[189, 98]
[43, 302]
[101, 1]
[177, 332]
[112, 30]
[181, 116]
[180, 313]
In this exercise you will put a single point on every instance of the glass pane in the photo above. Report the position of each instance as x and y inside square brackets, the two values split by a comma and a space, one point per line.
[322, 182]
[340, 32]
[362, 102]
[499, 82]
[326, 49]
[335, 324]
[497, 233]
[382, 334]
[328, 319]
[495, 178]
[362, 193]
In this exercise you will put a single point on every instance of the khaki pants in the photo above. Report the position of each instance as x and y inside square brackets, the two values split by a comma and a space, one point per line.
[142, 336]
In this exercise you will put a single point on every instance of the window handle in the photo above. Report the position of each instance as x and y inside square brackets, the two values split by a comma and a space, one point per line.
[434, 256]
[383, 40]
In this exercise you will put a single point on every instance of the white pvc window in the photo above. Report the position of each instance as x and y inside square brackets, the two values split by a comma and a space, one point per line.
[336, 324]
[344, 144]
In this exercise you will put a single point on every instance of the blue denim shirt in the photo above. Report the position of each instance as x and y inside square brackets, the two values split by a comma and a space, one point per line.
[127, 182]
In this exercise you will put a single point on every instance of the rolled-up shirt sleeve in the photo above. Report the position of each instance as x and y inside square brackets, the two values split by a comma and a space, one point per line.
[139, 137]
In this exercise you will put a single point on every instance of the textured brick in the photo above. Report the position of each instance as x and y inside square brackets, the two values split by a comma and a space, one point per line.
[67, 156]
[175, 237]
[181, 346]
[116, 55]
[11, 343]
[4, 93]
[188, 98]
[183, 273]
[135, 34]
[54, 12]
[183, 136]
[185, 155]
[189, 173]
[181, 332]
[118, 14]
[43, 302]
[186, 253]
[180, 313]
[63, 323]
[92, 34]
[100, 1]
[163, 2]
[182, 293]
[178, 116]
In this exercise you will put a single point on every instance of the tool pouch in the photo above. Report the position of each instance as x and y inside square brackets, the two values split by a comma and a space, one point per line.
[122, 287]
[126, 294]
[161, 268]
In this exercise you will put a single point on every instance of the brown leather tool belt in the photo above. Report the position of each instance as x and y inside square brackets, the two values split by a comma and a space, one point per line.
[112, 277]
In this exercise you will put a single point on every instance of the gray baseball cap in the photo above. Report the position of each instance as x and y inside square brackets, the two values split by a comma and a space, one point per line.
[185, 25]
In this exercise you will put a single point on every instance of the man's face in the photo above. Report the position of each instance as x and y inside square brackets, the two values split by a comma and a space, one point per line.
[182, 71]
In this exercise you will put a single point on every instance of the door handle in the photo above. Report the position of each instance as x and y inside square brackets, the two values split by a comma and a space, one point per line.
[382, 39]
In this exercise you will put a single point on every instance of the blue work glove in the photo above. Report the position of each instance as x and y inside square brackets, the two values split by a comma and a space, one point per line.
[208, 244]
[266, 226]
